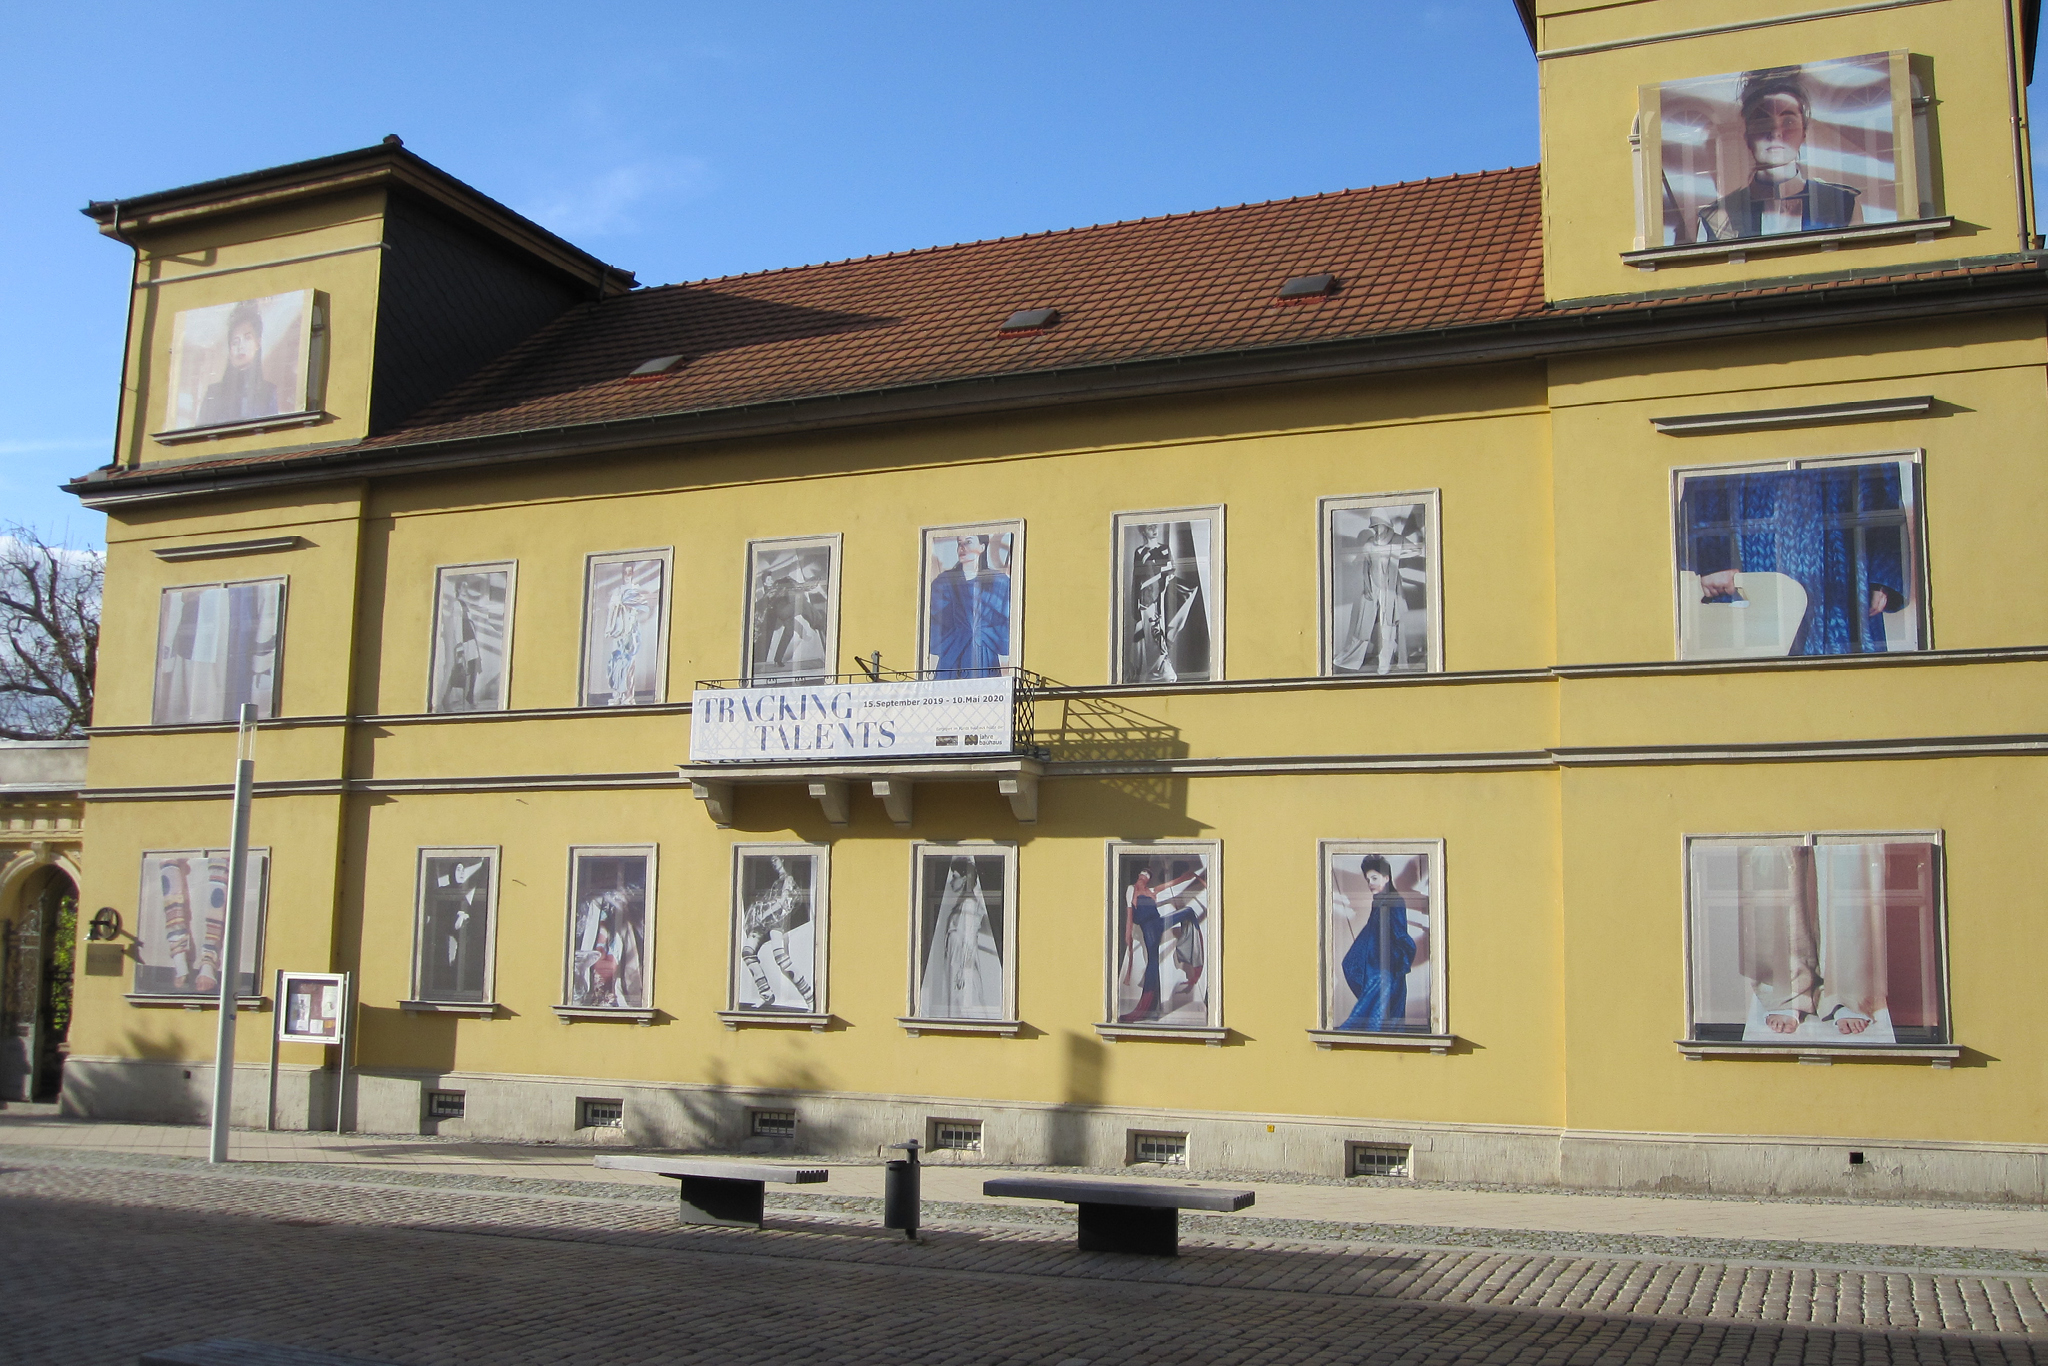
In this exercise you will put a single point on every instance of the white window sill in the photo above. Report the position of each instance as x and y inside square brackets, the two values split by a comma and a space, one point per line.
[737, 1019]
[571, 1014]
[480, 1009]
[306, 417]
[1825, 239]
[1934, 1054]
[192, 1001]
[1351, 1038]
[1116, 1032]
[913, 1026]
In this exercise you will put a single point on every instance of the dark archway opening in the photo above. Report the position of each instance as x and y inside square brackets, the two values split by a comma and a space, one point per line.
[40, 943]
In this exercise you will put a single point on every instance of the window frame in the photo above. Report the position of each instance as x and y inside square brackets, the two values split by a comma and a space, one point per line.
[266, 710]
[1689, 946]
[919, 851]
[495, 854]
[835, 542]
[1913, 492]
[667, 556]
[511, 568]
[734, 1013]
[1216, 1026]
[651, 852]
[1326, 509]
[260, 859]
[1118, 594]
[1015, 527]
[1328, 850]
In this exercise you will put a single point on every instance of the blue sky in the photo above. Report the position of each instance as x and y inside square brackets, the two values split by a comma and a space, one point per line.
[685, 140]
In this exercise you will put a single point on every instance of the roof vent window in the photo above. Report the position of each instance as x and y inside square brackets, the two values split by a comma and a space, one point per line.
[656, 368]
[1308, 287]
[1030, 320]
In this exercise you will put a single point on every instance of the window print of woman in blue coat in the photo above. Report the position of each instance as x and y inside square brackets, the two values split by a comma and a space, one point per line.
[1377, 963]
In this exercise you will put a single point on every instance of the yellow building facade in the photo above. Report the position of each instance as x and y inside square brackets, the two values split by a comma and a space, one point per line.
[1521, 677]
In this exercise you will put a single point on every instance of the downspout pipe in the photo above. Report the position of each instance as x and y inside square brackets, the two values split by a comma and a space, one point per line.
[128, 332]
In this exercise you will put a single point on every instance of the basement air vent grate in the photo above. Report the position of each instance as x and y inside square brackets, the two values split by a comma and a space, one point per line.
[1030, 320]
[656, 368]
[1379, 1159]
[1308, 287]
[1167, 1149]
[773, 1123]
[961, 1135]
[444, 1104]
[601, 1114]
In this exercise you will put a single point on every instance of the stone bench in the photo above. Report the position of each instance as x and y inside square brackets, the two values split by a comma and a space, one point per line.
[714, 1190]
[236, 1352]
[1125, 1216]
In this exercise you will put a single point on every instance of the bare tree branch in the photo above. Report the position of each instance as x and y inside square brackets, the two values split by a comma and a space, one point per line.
[49, 635]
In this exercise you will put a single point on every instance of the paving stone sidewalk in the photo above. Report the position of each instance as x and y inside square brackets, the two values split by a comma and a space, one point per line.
[102, 1260]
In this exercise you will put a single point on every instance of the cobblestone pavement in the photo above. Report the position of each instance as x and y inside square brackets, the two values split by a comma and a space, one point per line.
[102, 1261]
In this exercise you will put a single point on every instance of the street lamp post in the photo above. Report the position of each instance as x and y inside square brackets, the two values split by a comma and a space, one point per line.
[231, 938]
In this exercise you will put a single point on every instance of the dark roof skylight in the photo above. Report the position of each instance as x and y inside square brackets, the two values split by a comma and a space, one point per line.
[1030, 319]
[1309, 286]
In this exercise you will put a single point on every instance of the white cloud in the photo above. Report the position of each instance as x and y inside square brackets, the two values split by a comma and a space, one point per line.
[609, 201]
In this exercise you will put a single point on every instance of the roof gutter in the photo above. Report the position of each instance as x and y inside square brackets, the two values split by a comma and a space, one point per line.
[1537, 337]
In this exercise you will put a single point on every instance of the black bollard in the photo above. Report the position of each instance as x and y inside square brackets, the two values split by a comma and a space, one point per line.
[901, 1197]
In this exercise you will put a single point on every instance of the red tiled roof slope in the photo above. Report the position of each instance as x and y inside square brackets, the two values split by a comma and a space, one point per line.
[1421, 255]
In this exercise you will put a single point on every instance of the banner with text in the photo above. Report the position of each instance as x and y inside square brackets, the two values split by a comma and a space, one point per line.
[920, 719]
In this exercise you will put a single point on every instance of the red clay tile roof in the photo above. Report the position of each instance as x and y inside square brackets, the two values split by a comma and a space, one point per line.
[1413, 258]
[1425, 254]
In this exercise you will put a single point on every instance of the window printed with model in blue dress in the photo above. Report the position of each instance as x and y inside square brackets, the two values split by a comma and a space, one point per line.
[1163, 932]
[1380, 933]
[971, 618]
[1804, 559]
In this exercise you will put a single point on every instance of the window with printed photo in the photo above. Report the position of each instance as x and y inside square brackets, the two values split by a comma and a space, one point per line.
[1380, 584]
[1163, 935]
[792, 610]
[181, 922]
[625, 628]
[217, 647]
[971, 612]
[610, 953]
[1169, 596]
[472, 637]
[457, 924]
[1810, 939]
[963, 934]
[1807, 558]
[1382, 936]
[1784, 149]
[779, 929]
[242, 361]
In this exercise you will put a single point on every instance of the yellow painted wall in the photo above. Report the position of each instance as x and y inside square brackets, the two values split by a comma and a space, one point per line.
[254, 255]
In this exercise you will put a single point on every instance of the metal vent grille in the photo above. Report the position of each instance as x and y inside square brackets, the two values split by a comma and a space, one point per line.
[601, 1114]
[1167, 1149]
[773, 1123]
[444, 1104]
[1379, 1159]
[962, 1135]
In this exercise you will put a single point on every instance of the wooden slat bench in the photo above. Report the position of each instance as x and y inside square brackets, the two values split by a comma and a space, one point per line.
[236, 1352]
[716, 1190]
[1125, 1216]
